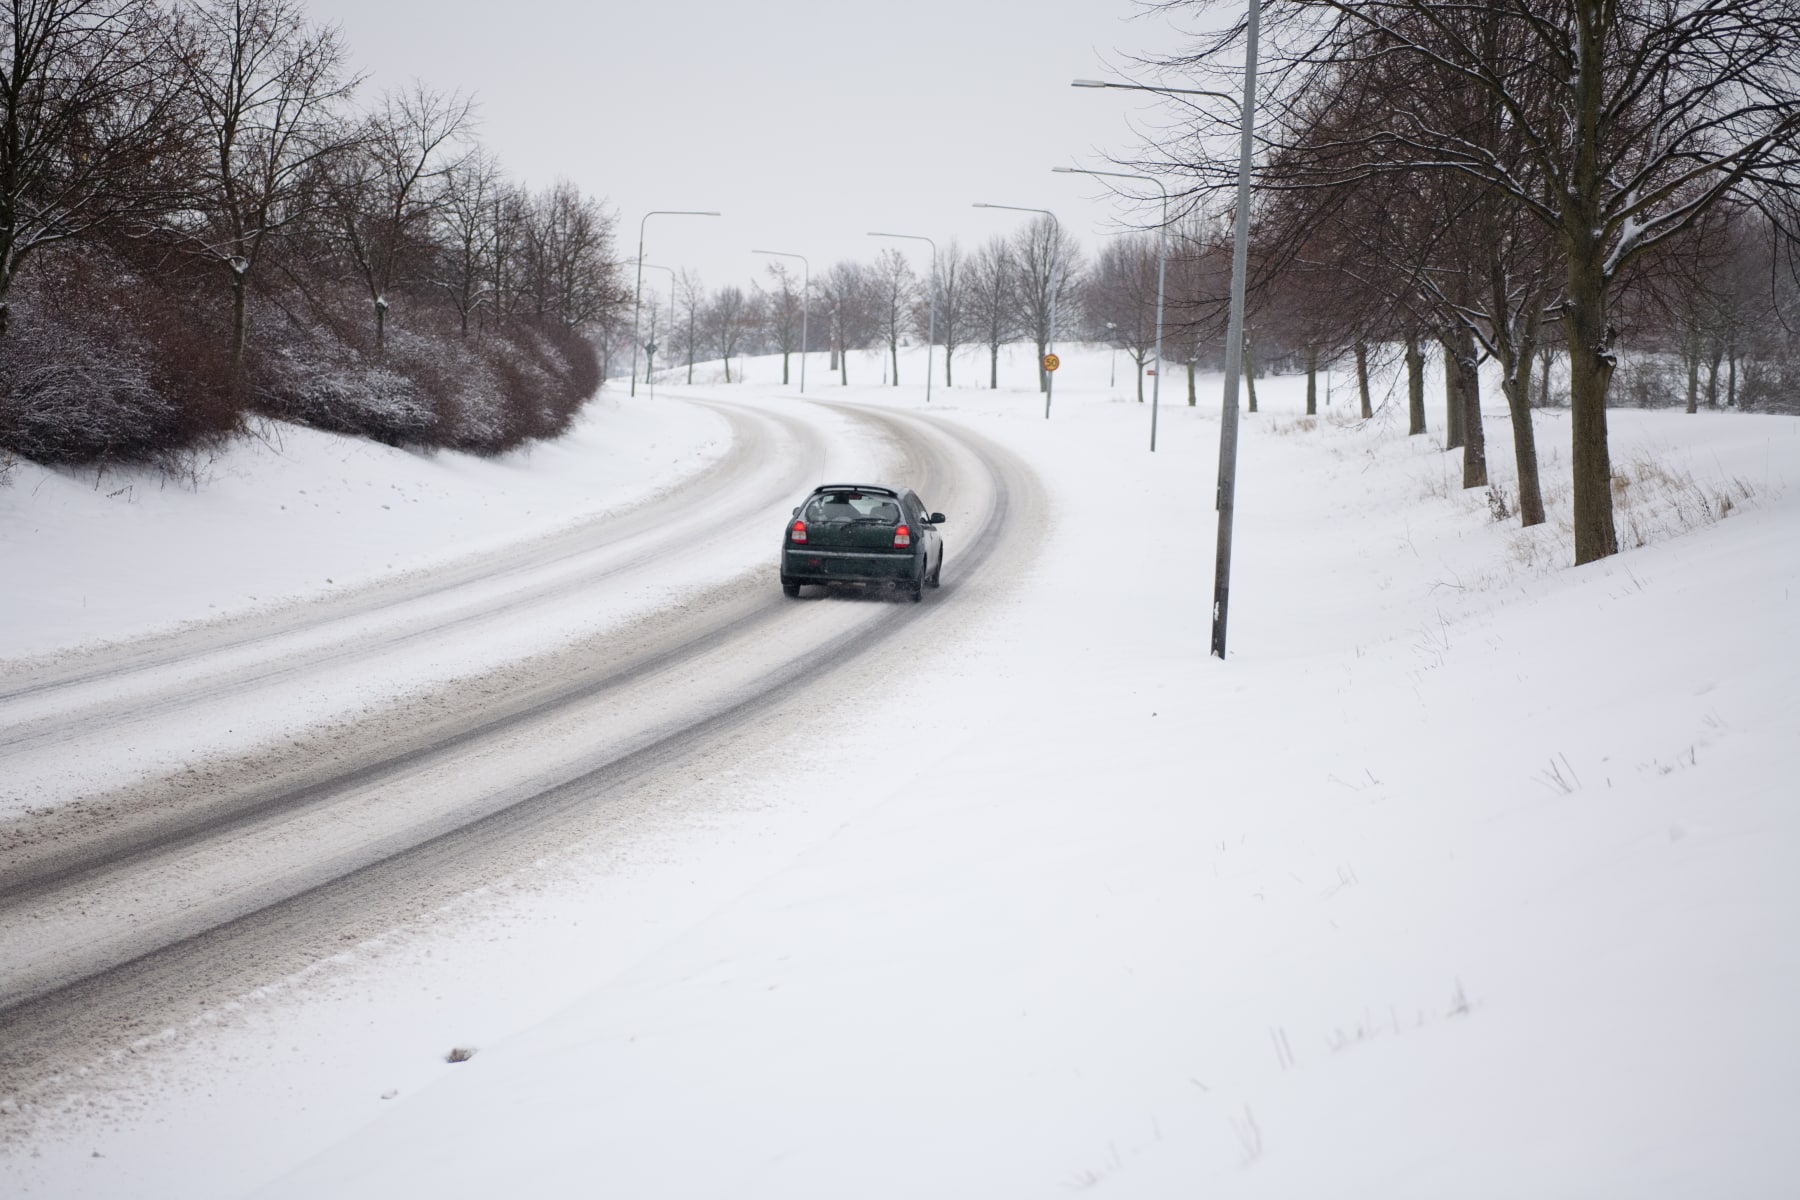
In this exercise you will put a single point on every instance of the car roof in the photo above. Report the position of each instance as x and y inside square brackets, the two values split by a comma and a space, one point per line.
[857, 487]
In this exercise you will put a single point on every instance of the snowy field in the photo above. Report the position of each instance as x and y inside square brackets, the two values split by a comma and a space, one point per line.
[1468, 874]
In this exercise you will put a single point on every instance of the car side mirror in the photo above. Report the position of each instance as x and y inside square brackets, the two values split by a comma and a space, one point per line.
[937, 518]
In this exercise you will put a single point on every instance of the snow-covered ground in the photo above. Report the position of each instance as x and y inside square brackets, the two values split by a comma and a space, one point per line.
[1468, 874]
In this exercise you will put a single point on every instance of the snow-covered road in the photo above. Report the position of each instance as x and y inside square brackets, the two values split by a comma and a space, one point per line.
[225, 795]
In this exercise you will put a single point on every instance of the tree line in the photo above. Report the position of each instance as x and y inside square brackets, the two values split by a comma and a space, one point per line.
[199, 222]
[1605, 184]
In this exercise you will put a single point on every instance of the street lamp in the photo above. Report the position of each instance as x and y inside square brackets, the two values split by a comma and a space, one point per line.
[805, 294]
[1234, 334]
[1162, 242]
[1055, 245]
[638, 294]
[931, 302]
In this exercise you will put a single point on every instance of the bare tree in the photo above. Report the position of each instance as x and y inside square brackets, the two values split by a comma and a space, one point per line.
[781, 310]
[387, 191]
[1049, 266]
[267, 87]
[87, 108]
[570, 271]
[993, 307]
[952, 302]
[894, 289]
[730, 316]
[690, 294]
[465, 236]
[845, 291]
[1121, 293]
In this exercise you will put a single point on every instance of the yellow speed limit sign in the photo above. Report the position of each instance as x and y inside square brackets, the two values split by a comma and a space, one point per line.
[1051, 362]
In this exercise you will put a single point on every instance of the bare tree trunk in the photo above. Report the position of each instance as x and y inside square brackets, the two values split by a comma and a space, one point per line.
[1716, 353]
[239, 282]
[993, 366]
[1590, 373]
[1731, 378]
[1415, 387]
[1362, 378]
[784, 368]
[1312, 382]
[1690, 350]
[1474, 436]
[1249, 373]
[1453, 397]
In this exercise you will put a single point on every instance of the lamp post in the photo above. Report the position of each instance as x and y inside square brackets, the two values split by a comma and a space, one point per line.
[931, 302]
[1112, 377]
[805, 294]
[1055, 245]
[1234, 334]
[1162, 242]
[637, 294]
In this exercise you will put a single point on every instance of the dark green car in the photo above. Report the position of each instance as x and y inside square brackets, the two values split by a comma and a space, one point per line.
[857, 533]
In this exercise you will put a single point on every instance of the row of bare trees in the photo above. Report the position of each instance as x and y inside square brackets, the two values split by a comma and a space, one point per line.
[202, 167]
[1500, 176]
[1000, 293]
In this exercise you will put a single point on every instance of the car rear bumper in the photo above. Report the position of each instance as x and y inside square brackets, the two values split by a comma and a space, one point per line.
[800, 565]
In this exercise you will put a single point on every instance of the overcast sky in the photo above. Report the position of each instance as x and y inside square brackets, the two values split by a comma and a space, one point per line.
[806, 122]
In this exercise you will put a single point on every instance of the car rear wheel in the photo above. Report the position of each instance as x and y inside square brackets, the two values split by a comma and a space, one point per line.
[790, 590]
[917, 588]
[937, 572]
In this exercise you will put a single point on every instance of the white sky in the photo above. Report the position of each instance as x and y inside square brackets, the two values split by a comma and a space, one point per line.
[807, 123]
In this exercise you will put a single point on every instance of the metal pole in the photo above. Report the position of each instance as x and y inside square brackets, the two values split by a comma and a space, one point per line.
[1162, 242]
[1055, 242]
[637, 294]
[1234, 346]
[805, 295]
[931, 303]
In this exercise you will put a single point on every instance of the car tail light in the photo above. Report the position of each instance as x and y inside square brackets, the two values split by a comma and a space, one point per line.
[902, 538]
[797, 532]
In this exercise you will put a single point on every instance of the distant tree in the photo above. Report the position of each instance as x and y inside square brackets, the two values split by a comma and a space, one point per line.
[730, 317]
[845, 292]
[1119, 295]
[952, 302]
[1049, 271]
[894, 288]
[781, 312]
[690, 297]
[993, 309]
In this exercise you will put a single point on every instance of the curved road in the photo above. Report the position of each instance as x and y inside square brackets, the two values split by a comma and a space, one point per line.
[347, 805]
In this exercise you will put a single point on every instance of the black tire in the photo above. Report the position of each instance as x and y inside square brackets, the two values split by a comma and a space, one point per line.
[938, 572]
[790, 590]
[916, 589]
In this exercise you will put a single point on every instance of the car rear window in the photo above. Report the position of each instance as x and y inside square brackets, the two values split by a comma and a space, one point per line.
[852, 506]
